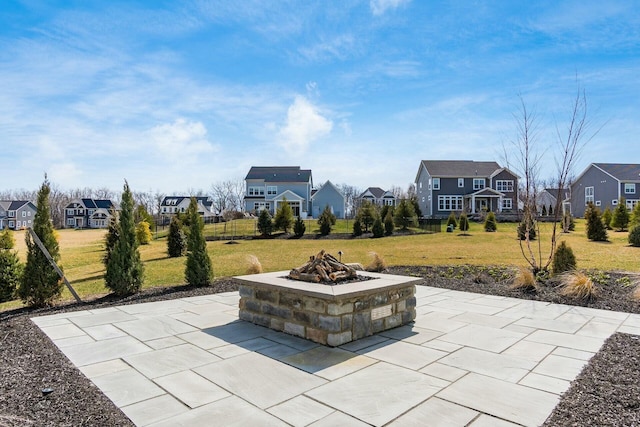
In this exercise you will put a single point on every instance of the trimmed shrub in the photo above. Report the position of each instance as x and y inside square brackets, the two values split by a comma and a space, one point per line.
[620, 219]
[326, 220]
[377, 229]
[490, 223]
[388, 224]
[578, 285]
[367, 214]
[198, 271]
[299, 228]
[284, 216]
[634, 236]
[404, 215]
[595, 227]
[10, 269]
[563, 259]
[635, 216]
[463, 223]
[377, 264]
[6, 239]
[265, 224]
[357, 228]
[452, 220]
[143, 233]
[606, 218]
[177, 240]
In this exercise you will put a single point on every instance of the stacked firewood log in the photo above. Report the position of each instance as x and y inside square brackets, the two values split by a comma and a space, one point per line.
[323, 267]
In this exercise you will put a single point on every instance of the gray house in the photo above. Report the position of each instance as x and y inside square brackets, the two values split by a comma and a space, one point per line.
[89, 213]
[604, 184]
[16, 214]
[172, 205]
[377, 196]
[445, 186]
[549, 197]
[328, 195]
[268, 186]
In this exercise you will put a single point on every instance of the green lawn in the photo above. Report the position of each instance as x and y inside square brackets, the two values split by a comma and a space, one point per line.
[81, 252]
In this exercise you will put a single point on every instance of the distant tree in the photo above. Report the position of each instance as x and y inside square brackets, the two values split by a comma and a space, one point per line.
[550, 211]
[265, 223]
[40, 283]
[326, 220]
[385, 210]
[141, 214]
[634, 236]
[527, 229]
[367, 214]
[404, 215]
[490, 222]
[284, 216]
[125, 271]
[620, 219]
[111, 238]
[416, 206]
[143, 233]
[568, 223]
[544, 210]
[595, 227]
[607, 216]
[199, 271]
[177, 240]
[357, 228]
[452, 220]
[635, 215]
[563, 259]
[388, 224]
[299, 228]
[463, 223]
[10, 267]
[378, 229]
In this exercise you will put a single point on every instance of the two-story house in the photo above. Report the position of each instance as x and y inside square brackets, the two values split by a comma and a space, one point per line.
[16, 214]
[548, 198]
[377, 197]
[89, 213]
[172, 205]
[328, 195]
[604, 184]
[445, 186]
[268, 186]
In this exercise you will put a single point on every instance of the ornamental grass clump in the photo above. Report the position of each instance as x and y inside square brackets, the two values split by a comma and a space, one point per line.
[525, 280]
[575, 284]
[377, 264]
[255, 267]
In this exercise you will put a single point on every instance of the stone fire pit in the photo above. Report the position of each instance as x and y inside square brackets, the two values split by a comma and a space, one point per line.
[328, 314]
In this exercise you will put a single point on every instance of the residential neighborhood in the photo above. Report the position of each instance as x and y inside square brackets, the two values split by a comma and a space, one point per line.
[89, 213]
[16, 214]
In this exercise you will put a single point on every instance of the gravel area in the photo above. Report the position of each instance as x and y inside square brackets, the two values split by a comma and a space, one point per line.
[607, 392]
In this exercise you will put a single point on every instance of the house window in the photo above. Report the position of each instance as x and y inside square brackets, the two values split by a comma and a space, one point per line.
[256, 191]
[11, 224]
[388, 202]
[90, 212]
[598, 203]
[507, 204]
[70, 212]
[272, 190]
[588, 195]
[614, 202]
[629, 188]
[12, 214]
[504, 185]
[24, 214]
[631, 204]
[70, 221]
[478, 183]
[450, 203]
[436, 183]
[29, 213]
[259, 206]
[460, 182]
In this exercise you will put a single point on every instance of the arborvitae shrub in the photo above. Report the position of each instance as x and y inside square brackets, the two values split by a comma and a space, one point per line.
[595, 227]
[367, 214]
[544, 210]
[284, 217]
[620, 219]
[606, 218]
[10, 267]
[634, 236]
[388, 224]
[452, 220]
[177, 240]
[404, 215]
[299, 228]
[111, 238]
[357, 228]
[563, 259]
[378, 228]
[265, 223]
[463, 223]
[568, 223]
[635, 216]
[490, 223]
[143, 233]
[326, 220]
[550, 211]
[199, 271]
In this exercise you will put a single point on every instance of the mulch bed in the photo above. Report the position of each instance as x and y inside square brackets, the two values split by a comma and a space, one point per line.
[607, 392]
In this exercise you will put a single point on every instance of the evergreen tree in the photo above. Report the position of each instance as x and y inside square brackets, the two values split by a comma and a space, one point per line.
[404, 215]
[326, 220]
[110, 239]
[40, 283]
[490, 223]
[452, 220]
[385, 210]
[177, 240]
[563, 259]
[299, 228]
[544, 210]
[357, 228]
[634, 236]
[378, 229]
[199, 271]
[284, 216]
[125, 271]
[620, 219]
[463, 223]
[607, 216]
[10, 267]
[141, 214]
[388, 224]
[568, 223]
[529, 225]
[143, 233]
[635, 215]
[550, 211]
[367, 214]
[265, 223]
[595, 227]
[416, 206]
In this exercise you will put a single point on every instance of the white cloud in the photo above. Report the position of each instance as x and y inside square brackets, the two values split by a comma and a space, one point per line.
[304, 125]
[182, 141]
[379, 7]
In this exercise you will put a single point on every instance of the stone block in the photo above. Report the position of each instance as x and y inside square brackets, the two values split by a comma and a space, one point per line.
[305, 317]
[362, 304]
[315, 305]
[245, 291]
[379, 299]
[361, 325]
[282, 312]
[277, 324]
[252, 305]
[261, 320]
[316, 335]
[408, 316]
[246, 316]
[266, 295]
[393, 321]
[335, 340]
[411, 302]
[347, 322]
[401, 306]
[294, 329]
[377, 326]
[291, 300]
[338, 309]
[328, 323]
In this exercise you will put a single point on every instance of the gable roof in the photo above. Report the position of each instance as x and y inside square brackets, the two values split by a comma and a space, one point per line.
[621, 171]
[459, 168]
[169, 201]
[325, 187]
[17, 204]
[279, 174]
[376, 192]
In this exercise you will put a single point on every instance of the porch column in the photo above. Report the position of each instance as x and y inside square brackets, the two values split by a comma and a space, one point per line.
[473, 204]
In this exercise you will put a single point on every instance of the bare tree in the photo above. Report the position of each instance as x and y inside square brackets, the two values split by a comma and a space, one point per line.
[351, 194]
[411, 191]
[398, 192]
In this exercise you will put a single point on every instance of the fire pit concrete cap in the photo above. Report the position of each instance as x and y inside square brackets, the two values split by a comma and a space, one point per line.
[381, 281]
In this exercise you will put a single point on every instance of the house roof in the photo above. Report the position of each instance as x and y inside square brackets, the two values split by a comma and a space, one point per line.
[279, 174]
[459, 168]
[376, 192]
[327, 185]
[204, 200]
[17, 204]
[621, 171]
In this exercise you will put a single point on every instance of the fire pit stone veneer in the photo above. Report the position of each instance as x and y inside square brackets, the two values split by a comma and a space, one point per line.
[328, 314]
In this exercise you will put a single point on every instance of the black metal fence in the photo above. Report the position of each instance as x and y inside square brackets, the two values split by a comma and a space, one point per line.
[430, 225]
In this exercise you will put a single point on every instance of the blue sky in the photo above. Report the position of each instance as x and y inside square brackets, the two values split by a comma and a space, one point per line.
[174, 96]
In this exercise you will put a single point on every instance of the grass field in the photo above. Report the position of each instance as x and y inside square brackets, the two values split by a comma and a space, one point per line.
[82, 251]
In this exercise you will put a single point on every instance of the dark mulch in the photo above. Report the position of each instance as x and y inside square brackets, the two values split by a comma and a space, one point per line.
[606, 393]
